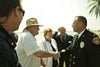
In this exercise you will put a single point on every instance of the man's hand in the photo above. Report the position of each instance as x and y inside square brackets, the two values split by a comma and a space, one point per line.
[56, 55]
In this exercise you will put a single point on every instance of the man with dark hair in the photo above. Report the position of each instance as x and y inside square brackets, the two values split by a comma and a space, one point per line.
[11, 14]
[14, 37]
[85, 50]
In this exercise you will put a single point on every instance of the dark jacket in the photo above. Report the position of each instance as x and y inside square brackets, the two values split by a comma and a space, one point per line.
[85, 52]
[64, 42]
[8, 57]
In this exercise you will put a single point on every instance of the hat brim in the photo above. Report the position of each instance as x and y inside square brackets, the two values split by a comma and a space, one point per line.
[33, 25]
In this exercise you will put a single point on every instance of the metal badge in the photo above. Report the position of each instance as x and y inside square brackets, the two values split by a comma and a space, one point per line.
[82, 44]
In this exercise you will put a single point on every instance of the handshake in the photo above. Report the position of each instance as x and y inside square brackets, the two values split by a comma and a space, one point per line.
[56, 54]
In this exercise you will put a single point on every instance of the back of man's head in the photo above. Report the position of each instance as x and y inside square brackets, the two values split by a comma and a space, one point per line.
[6, 6]
[82, 19]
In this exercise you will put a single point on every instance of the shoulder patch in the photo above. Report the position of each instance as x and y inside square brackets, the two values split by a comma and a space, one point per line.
[96, 40]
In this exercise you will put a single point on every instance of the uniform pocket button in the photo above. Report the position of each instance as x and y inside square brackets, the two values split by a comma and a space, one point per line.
[74, 57]
[70, 54]
[73, 62]
[69, 65]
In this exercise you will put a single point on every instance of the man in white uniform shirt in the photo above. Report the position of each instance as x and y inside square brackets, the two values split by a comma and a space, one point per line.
[29, 53]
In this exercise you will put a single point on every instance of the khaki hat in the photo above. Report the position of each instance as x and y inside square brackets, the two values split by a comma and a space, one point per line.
[32, 22]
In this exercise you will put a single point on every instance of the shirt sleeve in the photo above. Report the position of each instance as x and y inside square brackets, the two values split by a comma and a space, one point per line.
[30, 45]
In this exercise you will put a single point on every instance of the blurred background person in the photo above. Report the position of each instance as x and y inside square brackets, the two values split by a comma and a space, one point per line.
[63, 42]
[49, 44]
[29, 52]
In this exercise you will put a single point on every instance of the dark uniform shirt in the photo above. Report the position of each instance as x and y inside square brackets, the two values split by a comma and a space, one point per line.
[8, 57]
[86, 51]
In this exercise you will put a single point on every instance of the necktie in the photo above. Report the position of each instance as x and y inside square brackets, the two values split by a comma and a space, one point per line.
[52, 47]
[62, 38]
[74, 40]
[55, 62]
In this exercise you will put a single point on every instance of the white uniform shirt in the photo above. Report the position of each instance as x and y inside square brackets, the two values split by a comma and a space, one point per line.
[26, 48]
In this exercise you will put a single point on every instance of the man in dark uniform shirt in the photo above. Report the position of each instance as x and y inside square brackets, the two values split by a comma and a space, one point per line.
[14, 37]
[63, 42]
[85, 50]
[11, 14]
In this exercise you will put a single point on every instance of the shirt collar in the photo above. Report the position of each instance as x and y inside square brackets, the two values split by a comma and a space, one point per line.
[7, 37]
[79, 35]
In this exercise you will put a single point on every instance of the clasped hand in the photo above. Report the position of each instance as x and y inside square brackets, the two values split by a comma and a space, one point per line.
[56, 55]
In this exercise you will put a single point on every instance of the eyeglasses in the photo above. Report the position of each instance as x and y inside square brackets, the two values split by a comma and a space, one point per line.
[23, 12]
